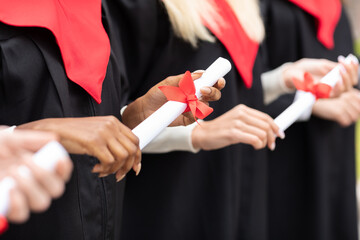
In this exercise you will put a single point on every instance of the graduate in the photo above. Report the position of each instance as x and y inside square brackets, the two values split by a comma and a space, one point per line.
[62, 70]
[312, 173]
[217, 194]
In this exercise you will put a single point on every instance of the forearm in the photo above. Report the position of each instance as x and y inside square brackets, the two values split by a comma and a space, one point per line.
[173, 139]
[274, 85]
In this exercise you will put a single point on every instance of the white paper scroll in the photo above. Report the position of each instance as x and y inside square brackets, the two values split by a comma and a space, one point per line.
[167, 113]
[47, 158]
[307, 100]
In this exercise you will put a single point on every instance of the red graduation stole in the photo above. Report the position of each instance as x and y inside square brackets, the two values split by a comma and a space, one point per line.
[77, 27]
[327, 13]
[4, 225]
[231, 34]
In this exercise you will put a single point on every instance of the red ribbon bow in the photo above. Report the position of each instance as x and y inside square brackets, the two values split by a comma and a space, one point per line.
[319, 90]
[185, 93]
[4, 225]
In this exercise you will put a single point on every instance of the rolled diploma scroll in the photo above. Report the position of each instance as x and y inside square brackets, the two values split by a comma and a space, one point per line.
[147, 130]
[47, 157]
[295, 110]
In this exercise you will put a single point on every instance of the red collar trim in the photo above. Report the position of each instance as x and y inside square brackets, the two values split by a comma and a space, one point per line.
[77, 27]
[327, 13]
[242, 49]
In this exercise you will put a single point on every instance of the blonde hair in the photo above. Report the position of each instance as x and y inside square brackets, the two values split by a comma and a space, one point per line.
[186, 18]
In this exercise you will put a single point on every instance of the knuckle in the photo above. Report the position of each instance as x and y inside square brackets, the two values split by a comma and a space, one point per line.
[240, 111]
[232, 136]
[42, 204]
[23, 217]
[122, 155]
[254, 142]
[20, 216]
[133, 149]
[242, 107]
[238, 124]
[268, 118]
[263, 135]
[136, 141]
[267, 126]
[343, 121]
[58, 190]
[218, 94]
[257, 145]
[17, 209]
[110, 122]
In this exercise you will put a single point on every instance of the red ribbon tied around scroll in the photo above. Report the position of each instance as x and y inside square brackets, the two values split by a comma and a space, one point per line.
[319, 90]
[185, 93]
[4, 225]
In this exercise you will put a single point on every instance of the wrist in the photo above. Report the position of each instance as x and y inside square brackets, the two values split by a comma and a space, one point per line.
[35, 125]
[287, 80]
[48, 124]
[196, 137]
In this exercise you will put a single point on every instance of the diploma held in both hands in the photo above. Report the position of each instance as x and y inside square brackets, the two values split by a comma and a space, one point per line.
[307, 99]
[166, 114]
[47, 158]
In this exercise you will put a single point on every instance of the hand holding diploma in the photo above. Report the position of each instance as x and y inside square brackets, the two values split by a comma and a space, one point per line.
[155, 98]
[105, 138]
[345, 71]
[110, 141]
[239, 125]
[166, 112]
[29, 181]
[344, 109]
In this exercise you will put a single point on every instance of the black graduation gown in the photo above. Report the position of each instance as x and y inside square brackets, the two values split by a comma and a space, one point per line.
[311, 172]
[33, 85]
[210, 195]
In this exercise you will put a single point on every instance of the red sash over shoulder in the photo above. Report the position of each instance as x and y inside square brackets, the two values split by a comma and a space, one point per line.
[327, 13]
[78, 29]
[231, 34]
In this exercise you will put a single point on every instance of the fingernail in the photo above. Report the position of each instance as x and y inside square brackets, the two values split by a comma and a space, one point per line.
[272, 147]
[206, 90]
[118, 179]
[341, 58]
[199, 71]
[138, 169]
[281, 134]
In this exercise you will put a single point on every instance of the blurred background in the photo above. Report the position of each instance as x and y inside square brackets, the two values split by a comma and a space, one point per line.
[353, 9]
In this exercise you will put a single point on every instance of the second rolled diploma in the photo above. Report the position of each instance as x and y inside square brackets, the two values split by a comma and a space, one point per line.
[166, 114]
[307, 100]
